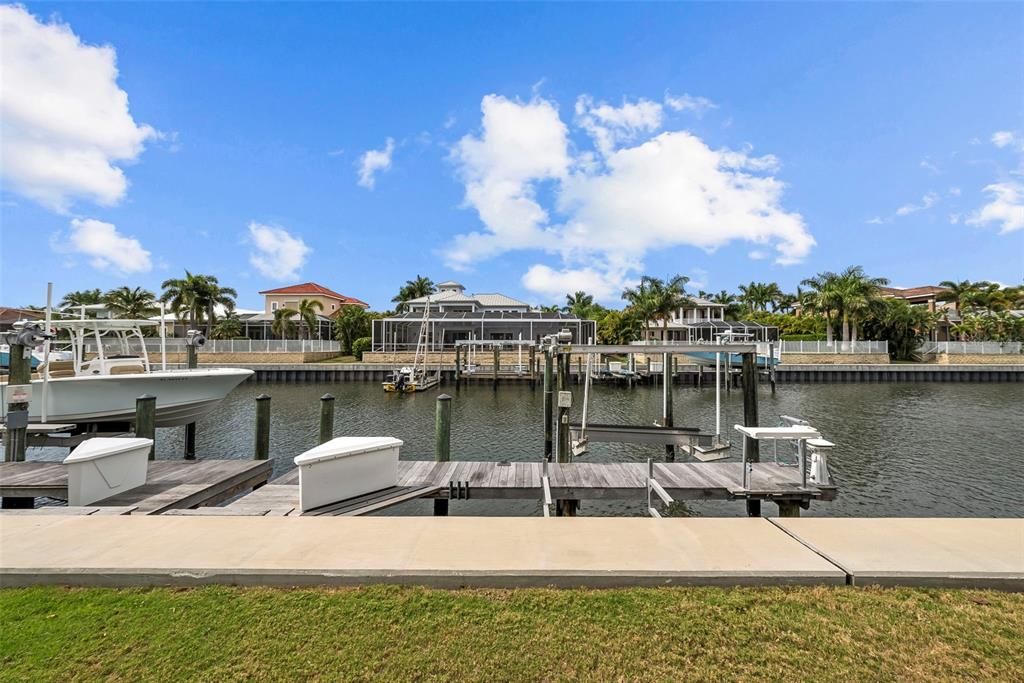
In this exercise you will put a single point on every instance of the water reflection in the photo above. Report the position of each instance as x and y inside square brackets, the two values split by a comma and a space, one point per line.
[902, 449]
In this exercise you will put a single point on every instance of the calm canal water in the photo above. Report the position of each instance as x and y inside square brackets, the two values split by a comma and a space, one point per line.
[901, 449]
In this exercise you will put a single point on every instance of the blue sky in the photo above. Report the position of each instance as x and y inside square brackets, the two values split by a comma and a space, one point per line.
[535, 148]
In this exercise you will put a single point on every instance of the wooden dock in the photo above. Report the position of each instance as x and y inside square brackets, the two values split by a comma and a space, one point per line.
[578, 480]
[170, 484]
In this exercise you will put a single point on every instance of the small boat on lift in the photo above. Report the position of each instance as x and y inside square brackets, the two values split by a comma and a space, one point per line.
[109, 367]
[410, 379]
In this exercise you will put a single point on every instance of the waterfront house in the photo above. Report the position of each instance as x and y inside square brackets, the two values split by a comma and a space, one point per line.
[700, 320]
[928, 297]
[292, 295]
[455, 315]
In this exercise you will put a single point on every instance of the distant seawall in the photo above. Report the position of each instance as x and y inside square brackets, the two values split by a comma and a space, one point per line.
[785, 374]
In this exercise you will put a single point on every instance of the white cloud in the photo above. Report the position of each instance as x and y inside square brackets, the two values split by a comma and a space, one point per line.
[757, 254]
[520, 146]
[554, 284]
[954, 218]
[1003, 138]
[66, 123]
[927, 202]
[684, 102]
[1005, 207]
[609, 125]
[278, 254]
[930, 167]
[877, 220]
[375, 161]
[954, 191]
[664, 191]
[106, 248]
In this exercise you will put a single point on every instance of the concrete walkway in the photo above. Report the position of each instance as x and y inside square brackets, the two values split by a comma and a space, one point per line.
[475, 551]
[983, 553]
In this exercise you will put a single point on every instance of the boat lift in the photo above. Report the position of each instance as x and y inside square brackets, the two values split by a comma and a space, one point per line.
[703, 447]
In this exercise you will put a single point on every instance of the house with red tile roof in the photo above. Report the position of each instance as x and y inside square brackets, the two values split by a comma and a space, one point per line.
[290, 296]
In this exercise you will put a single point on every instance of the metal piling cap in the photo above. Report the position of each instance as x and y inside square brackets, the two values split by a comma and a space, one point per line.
[326, 397]
[262, 397]
[444, 397]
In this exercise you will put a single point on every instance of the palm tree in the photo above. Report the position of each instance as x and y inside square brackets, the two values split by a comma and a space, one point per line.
[758, 295]
[197, 295]
[856, 292]
[228, 327]
[641, 304]
[351, 323]
[283, 326]
[126, 302]
[413, 289]
[822, 298]
[578, 304]
[550, 309]
[965, 293]
[668, 297]
[308, 309]
[81, 297]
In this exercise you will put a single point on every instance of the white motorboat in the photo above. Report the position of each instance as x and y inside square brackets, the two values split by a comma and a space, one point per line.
[110, 368]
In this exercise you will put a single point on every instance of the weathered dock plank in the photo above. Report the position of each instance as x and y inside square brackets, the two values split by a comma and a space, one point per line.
[169, 483]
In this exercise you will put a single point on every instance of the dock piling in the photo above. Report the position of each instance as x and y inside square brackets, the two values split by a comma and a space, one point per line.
[145, 421]
[458, 365]
[497, 364]
[771, 366]
[262, 447]
[548, 404]
[192, 360]
[326, 418]
[666, 412]
[16, 438]
[751, 446]
[442, 443]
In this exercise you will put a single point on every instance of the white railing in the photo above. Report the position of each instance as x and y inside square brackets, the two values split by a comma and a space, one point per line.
[979, 348]
[177, 345]
[835, 346]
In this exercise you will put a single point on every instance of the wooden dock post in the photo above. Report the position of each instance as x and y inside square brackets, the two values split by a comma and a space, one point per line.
[442, 443]
[788, 508]
[533, 367]
[564, 507]
[666, 405]
[497, 363]
[16, 437]
[548, 404]
[579, 369]
[458, 365]
[192, 360]
[771, 367]
[750, 420]
[326, 418]
[262, 448]
[145, 421]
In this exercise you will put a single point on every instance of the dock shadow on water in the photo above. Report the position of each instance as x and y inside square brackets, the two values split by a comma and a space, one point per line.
[902, 450]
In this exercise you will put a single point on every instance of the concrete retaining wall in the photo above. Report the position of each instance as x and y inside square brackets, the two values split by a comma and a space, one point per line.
[980, 359]
[254, 358]
[835, 358]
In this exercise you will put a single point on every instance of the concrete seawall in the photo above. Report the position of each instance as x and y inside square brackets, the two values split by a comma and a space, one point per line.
[785, 373]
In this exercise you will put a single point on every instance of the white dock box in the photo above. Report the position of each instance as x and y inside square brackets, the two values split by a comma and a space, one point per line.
[347, 467]
[103, 466]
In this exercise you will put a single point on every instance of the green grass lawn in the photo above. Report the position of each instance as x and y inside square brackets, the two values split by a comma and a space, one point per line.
[412, 634]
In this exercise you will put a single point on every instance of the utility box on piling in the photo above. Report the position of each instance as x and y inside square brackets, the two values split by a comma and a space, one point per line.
[347, 467]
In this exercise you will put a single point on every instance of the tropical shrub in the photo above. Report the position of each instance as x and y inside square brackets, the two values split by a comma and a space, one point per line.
[359, 346]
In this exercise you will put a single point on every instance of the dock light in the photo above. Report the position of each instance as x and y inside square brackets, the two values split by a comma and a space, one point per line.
[195, 338]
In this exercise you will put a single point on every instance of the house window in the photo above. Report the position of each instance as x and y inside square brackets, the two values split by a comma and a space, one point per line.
[334, 307]
[273, 305]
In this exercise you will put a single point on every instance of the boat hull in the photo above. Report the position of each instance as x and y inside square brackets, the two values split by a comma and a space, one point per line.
[182, 396]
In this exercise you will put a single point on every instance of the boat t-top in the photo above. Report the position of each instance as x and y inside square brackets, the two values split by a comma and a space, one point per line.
[109, 367]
